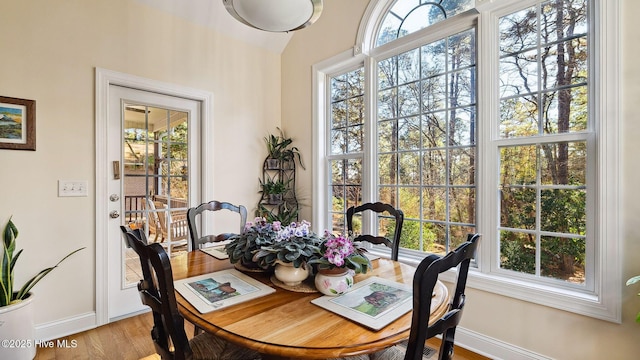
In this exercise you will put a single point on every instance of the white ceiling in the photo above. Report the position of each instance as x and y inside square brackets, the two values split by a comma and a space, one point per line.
[212, 14]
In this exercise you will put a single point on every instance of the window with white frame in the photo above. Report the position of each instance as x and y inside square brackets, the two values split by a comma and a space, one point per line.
[507, 141]
[544, 138]
[426, 154]
[346, 135]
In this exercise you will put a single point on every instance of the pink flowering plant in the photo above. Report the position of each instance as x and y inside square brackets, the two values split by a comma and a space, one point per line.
[340, 252]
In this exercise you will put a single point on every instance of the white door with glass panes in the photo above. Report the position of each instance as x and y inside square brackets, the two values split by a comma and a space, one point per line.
[154, 152]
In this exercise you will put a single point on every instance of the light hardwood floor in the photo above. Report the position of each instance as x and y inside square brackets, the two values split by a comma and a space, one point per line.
[130, 339]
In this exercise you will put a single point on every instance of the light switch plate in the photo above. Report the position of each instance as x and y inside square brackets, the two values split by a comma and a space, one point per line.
[72, 188]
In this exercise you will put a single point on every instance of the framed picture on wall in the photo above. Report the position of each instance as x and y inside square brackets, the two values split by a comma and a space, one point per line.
[17, 123]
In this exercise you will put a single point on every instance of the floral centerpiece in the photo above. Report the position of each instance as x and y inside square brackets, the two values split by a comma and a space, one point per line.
[256, 234]
[294, 244]
[289, 252]
[337, 260]
[339, 252]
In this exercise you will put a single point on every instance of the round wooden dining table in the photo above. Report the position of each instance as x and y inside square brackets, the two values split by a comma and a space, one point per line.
[286, 325]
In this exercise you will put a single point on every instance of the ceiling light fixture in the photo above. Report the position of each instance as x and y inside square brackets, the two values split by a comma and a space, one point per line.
[275, 15]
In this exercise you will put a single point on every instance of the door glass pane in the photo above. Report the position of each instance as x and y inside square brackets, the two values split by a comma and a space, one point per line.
[155, 178]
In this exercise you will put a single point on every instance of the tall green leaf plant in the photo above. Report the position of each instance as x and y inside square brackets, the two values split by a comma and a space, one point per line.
[632, 281]
[7, 295]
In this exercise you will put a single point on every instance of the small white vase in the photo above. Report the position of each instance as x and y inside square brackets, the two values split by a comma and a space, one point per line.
[289, 274]
[17, 331]
[334, 282]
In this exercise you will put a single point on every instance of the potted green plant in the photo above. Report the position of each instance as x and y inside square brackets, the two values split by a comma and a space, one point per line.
[274, 190]
[293, 246]
[280, 150]
[283, 213]
[632, 281]
[16, 313]
[256, 233]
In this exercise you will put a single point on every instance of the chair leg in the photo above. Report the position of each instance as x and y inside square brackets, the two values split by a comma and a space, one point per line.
[446, 347]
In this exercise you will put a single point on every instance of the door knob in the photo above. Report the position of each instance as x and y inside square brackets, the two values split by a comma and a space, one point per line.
[114, 214]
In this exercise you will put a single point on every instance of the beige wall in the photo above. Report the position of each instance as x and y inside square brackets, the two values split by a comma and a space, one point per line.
[550, 332]
[50, 50]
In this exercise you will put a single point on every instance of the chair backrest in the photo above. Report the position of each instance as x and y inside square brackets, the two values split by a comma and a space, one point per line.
[157, 291]
[379, 207]
[424, 282]
[154, 222]
[198, 240]
[161, 215]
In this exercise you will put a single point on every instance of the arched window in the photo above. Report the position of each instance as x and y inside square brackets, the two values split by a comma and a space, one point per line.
[406, 17]
[502, 141]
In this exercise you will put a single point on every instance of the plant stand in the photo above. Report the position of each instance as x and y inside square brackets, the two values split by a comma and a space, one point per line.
[285, 209]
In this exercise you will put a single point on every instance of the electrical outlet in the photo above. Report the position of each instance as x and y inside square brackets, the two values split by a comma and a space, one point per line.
[72, 188]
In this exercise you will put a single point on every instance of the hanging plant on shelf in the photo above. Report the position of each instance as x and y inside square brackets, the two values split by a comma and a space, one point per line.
[279, 148]
[274, 190]
[284, 214]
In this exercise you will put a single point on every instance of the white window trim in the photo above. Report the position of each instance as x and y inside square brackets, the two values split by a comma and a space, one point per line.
[321, 72]
[605, 301]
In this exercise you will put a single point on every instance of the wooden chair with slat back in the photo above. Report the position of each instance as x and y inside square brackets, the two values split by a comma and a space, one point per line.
[154, 220]
[164, 223]
[424, 281]
[157, 291]
[379, 207]
[197, 240]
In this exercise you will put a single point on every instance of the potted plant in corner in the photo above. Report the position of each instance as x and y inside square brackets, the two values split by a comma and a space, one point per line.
[16, 313]
[280, 150]
[274, 190]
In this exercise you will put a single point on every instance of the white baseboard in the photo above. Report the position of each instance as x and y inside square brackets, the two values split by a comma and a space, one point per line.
[493, 348]
[60, 328]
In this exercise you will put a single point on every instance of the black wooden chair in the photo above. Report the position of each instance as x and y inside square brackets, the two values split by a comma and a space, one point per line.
[424, 281]
[196, 240]
[378, 207]
[157, 291]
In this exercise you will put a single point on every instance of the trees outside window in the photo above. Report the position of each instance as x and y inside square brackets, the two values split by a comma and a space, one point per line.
[490, 123]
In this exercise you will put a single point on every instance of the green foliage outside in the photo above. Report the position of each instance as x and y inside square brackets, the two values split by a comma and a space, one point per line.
[171, 162]
[426, 156]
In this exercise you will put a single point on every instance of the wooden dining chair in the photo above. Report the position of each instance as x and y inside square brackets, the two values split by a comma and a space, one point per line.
[378, 207]
[157, 291]
[424, 281]
[197, 240]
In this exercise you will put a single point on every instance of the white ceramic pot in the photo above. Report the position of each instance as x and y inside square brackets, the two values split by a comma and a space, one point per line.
[289, 274]
[334, 282]
[17, 331]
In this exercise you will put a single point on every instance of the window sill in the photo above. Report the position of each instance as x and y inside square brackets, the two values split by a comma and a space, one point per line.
[579, 302]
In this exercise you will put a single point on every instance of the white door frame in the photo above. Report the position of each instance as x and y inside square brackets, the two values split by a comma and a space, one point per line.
[104, 79]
